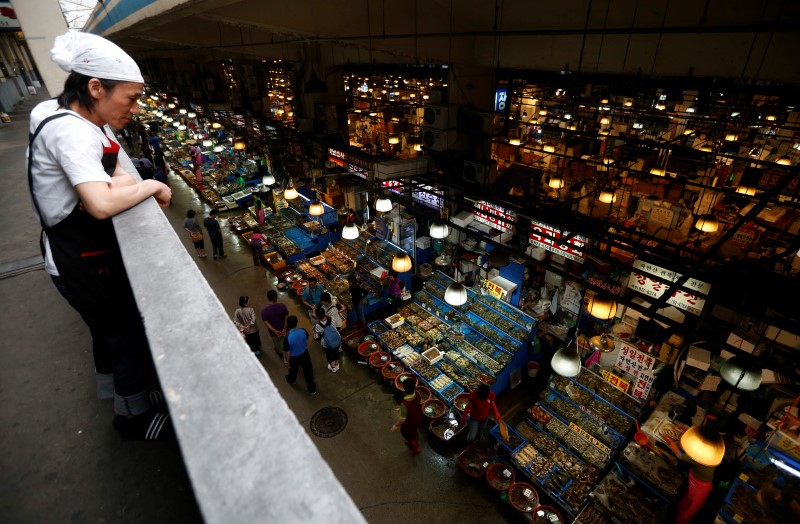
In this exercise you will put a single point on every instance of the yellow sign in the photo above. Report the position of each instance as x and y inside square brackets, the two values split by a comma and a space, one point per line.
[614, 380]
[495, 290]
[599, 445]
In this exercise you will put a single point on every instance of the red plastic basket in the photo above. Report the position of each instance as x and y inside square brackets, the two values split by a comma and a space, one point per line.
[518, 500]
[496, 479]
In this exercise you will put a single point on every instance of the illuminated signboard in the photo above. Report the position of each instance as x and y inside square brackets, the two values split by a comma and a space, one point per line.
[494, 216]
[359, 166]
[337, 157]
[547, 237]
[685, 300]
[392, 185]
[501, 100]
[427, 198]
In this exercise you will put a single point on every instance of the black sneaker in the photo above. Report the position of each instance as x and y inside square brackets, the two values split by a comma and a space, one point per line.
[153, 424]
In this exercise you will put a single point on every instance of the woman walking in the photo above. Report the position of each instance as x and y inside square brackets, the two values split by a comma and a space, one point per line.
[195, 233]
[329, 338]
[245, 320]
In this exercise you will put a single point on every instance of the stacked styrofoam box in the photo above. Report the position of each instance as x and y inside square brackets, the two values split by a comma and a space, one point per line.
[423, 242]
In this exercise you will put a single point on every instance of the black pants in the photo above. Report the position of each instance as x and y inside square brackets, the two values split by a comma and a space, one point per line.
[303, 361]
[216, 245]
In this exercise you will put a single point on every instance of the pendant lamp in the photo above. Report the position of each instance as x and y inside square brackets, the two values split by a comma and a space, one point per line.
[566, 362]
[602, 343]
[290, 193]
[456, 294]
[383, 205]
[268, 180]
[746, 190]
[498, 258]
[239, 145]
[704, 444]
[218, 149]
[316, 209]
[401, 263]
[602, 308]
[207, 143]
[439, 230]
[607, 196]
[556, 182]
[740, 375]
[707, 223]
[350, 232]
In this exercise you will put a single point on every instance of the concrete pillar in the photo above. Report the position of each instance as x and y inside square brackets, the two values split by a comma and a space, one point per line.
[42, 21]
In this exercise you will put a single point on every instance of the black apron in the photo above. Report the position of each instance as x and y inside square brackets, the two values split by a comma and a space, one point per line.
[88, 259]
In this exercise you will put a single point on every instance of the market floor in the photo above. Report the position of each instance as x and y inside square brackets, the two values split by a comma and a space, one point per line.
[60, 459]
[373, 464]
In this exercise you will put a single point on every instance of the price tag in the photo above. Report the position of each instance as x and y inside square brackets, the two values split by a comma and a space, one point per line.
[599, 445]
[617, 382]
[495, 290]
[743, 477]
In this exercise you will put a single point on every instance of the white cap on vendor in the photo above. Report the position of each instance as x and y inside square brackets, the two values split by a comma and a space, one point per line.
[95, 57]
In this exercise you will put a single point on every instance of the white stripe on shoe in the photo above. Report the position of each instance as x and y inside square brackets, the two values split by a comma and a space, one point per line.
[156, 425]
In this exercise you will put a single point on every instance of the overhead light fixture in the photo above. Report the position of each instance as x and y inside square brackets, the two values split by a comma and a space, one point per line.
[417, 147]
[566, 362]
[219, 149]
[704, 444]
[601, 307]
[607, 196]
[746, 190]
[658, 171]
[549, 148]
[175, 123]
[783, 160]
[770, 118]
[316, 209]
[383, 205]
[556, 182]
[741, 375]
[688, 131]
[268, 180]
[602, 343]
[207, 143]
[543, 112]
[191, 115]
[182, 111]
[456, 294]
[239, 145]
[290, 193]
[514, 142]
[401, 263]
[605, 121]
[707, 223]
[784, 466]
[731, 137]
[393, 140]
[216, 125]
[439, 230]
[181, 127]
[350, 232]
[498, 258]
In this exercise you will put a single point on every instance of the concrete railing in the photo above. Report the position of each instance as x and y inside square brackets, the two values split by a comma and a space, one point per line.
[248, 458]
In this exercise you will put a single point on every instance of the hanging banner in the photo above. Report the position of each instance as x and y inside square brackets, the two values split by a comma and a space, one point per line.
[427, 198]
[494, 216]
[548, 237]
[684, 300]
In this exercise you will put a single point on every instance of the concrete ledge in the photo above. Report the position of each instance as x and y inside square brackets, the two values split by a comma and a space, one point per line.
[248, 458]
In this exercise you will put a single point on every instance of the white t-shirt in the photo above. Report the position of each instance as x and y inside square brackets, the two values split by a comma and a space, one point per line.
[67, 152]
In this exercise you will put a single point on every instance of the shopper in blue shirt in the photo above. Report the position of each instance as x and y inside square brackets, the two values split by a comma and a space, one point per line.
[295, 354]
[312, 297]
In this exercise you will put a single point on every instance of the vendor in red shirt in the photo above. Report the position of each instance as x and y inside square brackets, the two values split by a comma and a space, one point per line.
[410, 416]
[480, 403]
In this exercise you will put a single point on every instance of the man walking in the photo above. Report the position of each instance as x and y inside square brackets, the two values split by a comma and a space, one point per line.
[295, 355]
[214, 233]
[274, 315]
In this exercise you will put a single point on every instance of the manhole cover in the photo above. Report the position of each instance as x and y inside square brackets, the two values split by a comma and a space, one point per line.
[328, 422]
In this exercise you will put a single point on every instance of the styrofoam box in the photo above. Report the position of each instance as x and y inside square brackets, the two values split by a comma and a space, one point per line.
[423, 242]
[463, 219]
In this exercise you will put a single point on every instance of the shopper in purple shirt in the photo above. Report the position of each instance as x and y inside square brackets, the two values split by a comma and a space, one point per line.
[274, 315]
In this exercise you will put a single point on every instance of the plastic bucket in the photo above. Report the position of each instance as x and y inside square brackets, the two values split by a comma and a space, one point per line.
[533, 368]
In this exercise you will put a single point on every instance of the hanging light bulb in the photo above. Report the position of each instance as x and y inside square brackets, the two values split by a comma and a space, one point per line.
[383, 205]
[740, 375]
[401, 263]
[439, 230]
[556, 182]
[268, 180]
[707, 223]
[350, 232]
[316, 209]
[704, 445]
[607, 196]
[290, 193]
[456, 294]
[602, 343]
[602, 308]
[566, 362]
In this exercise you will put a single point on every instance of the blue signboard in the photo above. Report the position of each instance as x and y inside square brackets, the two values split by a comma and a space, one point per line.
[501, 100]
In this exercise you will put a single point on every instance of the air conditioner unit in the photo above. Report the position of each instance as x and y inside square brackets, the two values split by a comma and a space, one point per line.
[437, 139]
[480, 123]
[440, 117]
[482, 173]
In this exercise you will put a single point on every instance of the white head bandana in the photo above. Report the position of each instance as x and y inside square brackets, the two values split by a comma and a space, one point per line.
[95, 57]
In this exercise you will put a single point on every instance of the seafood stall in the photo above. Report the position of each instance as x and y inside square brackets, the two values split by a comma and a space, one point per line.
[570, 436]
